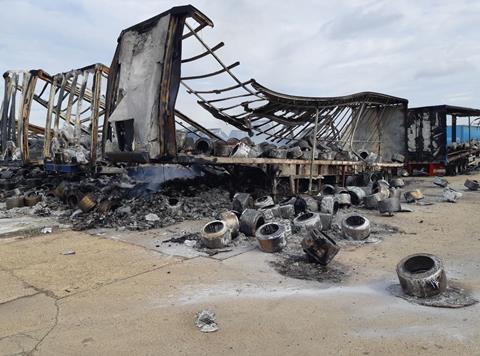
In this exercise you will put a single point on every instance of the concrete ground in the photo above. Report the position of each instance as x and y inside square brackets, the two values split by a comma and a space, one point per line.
[122, 294]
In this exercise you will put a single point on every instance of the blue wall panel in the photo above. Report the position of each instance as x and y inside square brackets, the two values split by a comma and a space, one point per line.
[462, 133]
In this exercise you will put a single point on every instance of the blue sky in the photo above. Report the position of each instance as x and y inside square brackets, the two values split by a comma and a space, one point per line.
[425, 51]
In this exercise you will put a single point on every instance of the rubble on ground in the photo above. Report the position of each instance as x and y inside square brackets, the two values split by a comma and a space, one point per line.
[205, 321]
[116, 201]
[305, 232]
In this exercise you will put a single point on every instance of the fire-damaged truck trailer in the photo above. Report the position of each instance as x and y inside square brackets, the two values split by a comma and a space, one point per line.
[426, 137]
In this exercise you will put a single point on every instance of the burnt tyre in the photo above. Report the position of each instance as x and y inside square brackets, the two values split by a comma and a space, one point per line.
[32, 199]
[14, 202]
[319, 247]
[271, 237]
[343, 199]
[174, 206]
[472, 184]
[389, 206]
[397, 183]
[277, 153]
[204, 146]
[308, 221]
[250, 221]
[263, 202]
[72, 200]
[231, 219]
[422, 275]
[222, 149]
[270, 212]
[287, 201]
[371, 201]
[381, 187]
[241, 150]
[326, 220]
[440, 181]
[311, 203]
[355, 227]
[216, 234]
[87, 203]
[242, 201]
[287, 211]
[357, 195]
[300, 205]
[328, 189]
[294, 152]
[413, 195]
[329, 205]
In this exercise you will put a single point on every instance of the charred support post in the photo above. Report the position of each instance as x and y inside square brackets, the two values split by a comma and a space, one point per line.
[454, 128]
[95, 110]
[26, 106]
[48, 124]
[314, 150]
[170, 82]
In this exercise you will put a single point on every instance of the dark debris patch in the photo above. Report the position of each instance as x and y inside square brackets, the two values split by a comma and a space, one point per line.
[293, 262]
[194, 241]
[194, 236]
[453, 297]
[384, 229]
[298, 267]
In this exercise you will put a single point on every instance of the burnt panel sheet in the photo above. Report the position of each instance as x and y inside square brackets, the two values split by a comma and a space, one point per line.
[426, 135]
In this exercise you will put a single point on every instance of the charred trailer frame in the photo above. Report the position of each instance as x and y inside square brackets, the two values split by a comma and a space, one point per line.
[143, 86]
[73, 98]
[426, 139]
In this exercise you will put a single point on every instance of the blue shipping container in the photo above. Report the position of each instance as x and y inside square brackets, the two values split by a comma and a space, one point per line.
[462, 133]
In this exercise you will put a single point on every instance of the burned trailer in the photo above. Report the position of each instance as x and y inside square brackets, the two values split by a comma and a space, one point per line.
[52, 120]
[334, 133]
[307, 138]
[428, 148]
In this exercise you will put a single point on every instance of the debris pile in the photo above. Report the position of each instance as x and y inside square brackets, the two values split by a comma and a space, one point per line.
[111, 201]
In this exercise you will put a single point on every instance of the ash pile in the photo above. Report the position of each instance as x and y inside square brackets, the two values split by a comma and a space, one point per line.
[88, 201]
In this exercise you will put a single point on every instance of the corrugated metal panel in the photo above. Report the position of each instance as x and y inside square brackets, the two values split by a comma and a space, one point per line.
[462, 133]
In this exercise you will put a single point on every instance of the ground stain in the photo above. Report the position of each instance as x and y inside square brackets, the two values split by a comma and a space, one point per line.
[453, 297]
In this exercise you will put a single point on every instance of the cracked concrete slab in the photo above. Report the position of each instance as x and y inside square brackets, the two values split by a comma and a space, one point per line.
[149, 298]
[41, 261]
[152, 239]
[258, 311]
[24, 322]
[16, 288]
